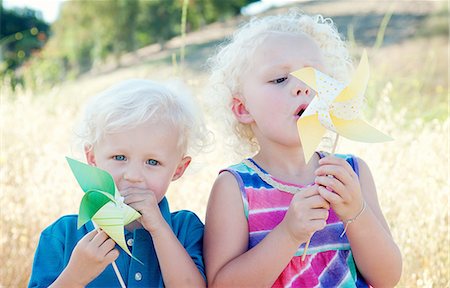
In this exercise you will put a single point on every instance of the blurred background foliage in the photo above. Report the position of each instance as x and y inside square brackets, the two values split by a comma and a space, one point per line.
[22, 34]
[88, 33]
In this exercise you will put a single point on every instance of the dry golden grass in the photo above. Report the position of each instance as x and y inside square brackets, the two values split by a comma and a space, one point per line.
[411, 172]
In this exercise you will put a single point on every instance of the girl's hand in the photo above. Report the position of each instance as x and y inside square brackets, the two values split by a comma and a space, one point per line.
[90, 257]
[340, 186]
[307, 213]
[145, 202]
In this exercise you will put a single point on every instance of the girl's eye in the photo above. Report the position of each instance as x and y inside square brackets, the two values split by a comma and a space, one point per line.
[119, 157]
[152, 162]
[278, 80]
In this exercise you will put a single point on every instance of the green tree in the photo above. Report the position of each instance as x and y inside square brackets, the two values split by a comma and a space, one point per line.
[22, 33]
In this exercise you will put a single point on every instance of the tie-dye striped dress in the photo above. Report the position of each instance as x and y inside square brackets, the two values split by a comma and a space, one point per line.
[329, 261]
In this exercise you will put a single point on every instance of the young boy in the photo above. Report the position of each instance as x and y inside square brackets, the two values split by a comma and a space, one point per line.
[138, 131]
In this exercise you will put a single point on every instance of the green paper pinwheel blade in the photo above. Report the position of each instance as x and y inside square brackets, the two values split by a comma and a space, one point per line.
[91, 202]
[91, 178]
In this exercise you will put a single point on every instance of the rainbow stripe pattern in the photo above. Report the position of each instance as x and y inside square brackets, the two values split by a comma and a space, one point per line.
[329, 261]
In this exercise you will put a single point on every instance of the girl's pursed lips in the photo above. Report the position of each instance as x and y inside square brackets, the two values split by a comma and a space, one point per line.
[299, 111]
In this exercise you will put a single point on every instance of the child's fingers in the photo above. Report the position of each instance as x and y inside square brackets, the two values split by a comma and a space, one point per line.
[317, 201]
[317, 224]
[336, 171]
[107, 246]
[318, 214]
[329, 196]
[112, 255]
[332, 184]
[137, 196]
[336, 161]
[89, 236]
[99, 238]
[307, 192]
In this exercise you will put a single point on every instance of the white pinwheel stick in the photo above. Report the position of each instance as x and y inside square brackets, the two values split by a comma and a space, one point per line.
[309, 240]
[114, 265]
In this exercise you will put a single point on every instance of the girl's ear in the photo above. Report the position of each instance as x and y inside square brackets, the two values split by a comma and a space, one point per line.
[184, 163]
[239, 110]
[90, 156]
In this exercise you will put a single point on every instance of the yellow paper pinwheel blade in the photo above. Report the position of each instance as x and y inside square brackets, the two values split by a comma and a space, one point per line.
[358, 84]
[129, 215]
[307, 75]
[110, 219]
[359, 130]
[311, 133]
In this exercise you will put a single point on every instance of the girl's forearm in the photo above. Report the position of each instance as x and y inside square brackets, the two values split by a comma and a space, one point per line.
[376, 255]
[177, 267]
[259, 266]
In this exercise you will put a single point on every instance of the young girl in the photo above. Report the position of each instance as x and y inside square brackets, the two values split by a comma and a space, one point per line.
[138, 131]
[262, 211]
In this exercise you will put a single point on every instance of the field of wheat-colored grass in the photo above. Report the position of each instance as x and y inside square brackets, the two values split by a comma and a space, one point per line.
[412, 172]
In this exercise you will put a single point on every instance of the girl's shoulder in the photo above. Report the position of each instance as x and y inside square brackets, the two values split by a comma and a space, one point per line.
[239, 167]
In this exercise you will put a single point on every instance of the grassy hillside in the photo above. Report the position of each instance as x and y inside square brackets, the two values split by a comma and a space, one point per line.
[408, 98]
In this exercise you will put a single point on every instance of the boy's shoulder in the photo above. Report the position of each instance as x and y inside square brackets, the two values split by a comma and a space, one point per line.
[65, 226]
[185, 216]
[186, 224]
[66, 221]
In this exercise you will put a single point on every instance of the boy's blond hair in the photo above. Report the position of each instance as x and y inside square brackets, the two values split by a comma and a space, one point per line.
[133, 102]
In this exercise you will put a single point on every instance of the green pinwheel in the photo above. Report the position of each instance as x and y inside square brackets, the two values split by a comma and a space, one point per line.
[102, 202]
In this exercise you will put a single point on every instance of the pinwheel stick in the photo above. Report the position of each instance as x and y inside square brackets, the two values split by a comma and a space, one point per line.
[309, 240]
[114, 265]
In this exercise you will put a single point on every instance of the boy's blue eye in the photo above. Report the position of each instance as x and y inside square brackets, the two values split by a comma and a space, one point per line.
[278, 80]
[119, 157]
[152, 162]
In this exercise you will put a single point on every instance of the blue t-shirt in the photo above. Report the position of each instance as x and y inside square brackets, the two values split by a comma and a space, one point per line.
[59, 239]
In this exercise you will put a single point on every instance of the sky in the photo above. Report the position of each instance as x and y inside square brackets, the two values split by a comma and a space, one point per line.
[49, 8]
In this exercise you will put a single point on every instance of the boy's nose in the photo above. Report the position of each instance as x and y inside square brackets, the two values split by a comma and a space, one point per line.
[133, 173]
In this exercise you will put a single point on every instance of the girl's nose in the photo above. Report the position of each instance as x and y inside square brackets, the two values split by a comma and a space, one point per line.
[300, 89]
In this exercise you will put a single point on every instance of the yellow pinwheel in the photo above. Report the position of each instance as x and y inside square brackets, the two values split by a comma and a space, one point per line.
[336, 107]
[102, 203]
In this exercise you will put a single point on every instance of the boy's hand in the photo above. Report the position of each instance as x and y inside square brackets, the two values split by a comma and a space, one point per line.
[307, 213]
[90, 257]
[336, 175]
[145, 202]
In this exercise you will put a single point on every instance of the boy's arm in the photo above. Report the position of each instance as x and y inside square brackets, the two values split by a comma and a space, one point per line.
[63, 261]
[48, 261]
[177, 266]
[90, 257]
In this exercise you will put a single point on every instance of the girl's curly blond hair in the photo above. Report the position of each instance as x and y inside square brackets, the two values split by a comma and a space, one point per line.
[232, 58]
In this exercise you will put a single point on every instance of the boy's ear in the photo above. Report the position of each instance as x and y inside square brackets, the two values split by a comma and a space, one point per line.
[90, 156]
[239, 110]
[181, 167]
